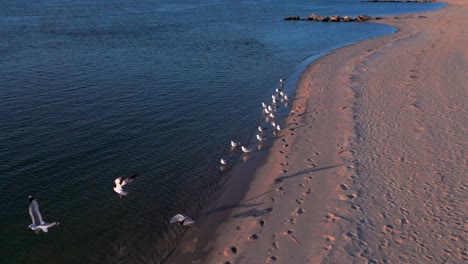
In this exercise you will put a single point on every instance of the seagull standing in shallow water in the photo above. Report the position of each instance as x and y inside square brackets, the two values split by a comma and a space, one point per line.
[183, 220]
[223, 161]
[235, 144]
[246, 150]
[119, 184]
[37, 223]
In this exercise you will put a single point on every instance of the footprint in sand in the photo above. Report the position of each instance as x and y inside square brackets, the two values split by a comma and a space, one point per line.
[253, 237]
[261, 222]
[347, 197]
[330, 217]
[272, 259]
[300, 211]
[342, 186]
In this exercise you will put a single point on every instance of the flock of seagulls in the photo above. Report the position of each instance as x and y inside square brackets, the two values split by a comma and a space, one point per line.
[269, 111]
[39, 225]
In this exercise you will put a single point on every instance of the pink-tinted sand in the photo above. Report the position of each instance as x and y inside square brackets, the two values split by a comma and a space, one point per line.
[371, 169]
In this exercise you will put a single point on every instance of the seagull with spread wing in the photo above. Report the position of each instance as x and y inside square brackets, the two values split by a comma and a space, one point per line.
[183, 220]
[37, 223]
[120, 184]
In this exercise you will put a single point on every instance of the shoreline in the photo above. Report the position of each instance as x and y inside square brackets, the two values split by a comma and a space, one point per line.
[322, 164]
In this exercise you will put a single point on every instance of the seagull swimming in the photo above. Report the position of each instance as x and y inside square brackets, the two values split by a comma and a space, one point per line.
[183, 220]
[119, 184]
[245, 150]
[235, 144]
[37, 223]
[223, 161]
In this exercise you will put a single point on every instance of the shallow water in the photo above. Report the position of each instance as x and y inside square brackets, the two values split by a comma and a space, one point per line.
[93, 90]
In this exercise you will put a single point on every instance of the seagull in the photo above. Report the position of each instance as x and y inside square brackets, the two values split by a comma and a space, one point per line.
[264, 104]
[260, 138]
[223, 161]
[278, 127]
[281, 81]
[291, 113]
[245, 150]
[183, 220]
[270, 108]
[285, 97]
[119, 184]
[37, 223]
[282, 93]
[266, 111]
[277, 90]
[271, 115]
[273, 124]
[261, 129]
[235, 144]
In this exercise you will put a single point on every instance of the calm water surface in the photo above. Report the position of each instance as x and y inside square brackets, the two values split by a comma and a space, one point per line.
[93, 90]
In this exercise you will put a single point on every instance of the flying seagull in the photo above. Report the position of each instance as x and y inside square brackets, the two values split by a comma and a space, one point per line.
[183, 220]
[120, 184]
[37, 223]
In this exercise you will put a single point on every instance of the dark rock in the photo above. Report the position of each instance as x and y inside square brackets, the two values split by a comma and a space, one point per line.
[314, 17]
[292, 18]
[364, 18]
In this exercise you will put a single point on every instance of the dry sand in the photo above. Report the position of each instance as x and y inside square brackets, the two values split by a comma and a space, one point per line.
[373, 167]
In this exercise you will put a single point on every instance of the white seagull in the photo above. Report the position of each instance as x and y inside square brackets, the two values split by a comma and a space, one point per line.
[37, 223]
[183, 220]
[264, 104]
[235, 144]
[223, 161]
[260, 138]
[261, 129]
[246, 150]
[278, 127]
[270, 108]
[281, 81]
[285, 97]
[273, 124]
[119, 184]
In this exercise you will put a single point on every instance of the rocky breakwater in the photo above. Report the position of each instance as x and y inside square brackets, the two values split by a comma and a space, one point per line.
[315, 17]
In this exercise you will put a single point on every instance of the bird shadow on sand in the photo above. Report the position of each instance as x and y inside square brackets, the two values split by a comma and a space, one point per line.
[242, 203]
[286, 177]
[253, 212]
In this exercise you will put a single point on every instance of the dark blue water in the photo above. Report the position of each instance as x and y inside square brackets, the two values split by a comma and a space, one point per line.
[92, 90]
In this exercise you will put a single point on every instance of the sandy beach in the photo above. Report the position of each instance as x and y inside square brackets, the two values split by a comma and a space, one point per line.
[370, 169]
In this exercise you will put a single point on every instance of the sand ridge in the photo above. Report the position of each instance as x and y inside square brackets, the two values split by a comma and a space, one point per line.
[371, 168]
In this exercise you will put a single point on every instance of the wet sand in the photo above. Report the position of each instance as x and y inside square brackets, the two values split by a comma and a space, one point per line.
[370, 169]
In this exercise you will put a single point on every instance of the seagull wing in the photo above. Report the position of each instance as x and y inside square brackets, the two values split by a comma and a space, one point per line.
[128, 180]
[118, 181]
[49, 225]
[34, 212]
[176, 218]
[188, 221]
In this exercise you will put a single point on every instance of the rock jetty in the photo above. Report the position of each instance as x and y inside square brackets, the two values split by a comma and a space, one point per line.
[315, 17]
